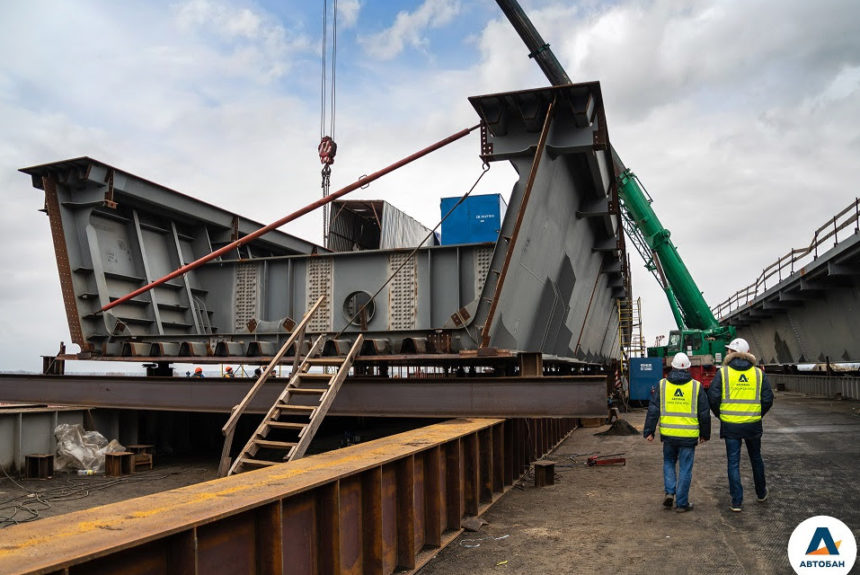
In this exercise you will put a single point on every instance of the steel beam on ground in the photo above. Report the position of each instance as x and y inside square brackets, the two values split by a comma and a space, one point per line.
[377, 507]
[563, 396]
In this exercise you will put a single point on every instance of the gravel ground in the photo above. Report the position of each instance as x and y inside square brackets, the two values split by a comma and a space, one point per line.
[610, 519]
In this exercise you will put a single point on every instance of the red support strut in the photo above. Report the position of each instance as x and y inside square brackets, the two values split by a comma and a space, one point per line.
[309, 208]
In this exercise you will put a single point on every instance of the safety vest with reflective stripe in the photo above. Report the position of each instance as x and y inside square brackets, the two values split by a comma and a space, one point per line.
[741, 401]
[679, 409]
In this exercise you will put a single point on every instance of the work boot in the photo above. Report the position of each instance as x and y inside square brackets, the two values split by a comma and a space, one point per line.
[763, 499]
[668, 501]
[684, 509]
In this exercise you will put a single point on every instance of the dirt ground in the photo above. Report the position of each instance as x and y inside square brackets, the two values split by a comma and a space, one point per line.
[596, 519]
[30, 499]
[611, 520]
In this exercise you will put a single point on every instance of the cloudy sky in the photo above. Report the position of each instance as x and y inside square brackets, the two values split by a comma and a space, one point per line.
[741, 118]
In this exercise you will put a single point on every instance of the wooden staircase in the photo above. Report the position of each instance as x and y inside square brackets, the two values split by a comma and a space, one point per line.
[291, 423]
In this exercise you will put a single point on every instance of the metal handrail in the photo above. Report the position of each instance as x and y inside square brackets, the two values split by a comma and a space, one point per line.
[787, 265]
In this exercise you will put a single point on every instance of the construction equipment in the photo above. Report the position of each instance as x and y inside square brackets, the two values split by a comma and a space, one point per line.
[613, 459]
[699, 334]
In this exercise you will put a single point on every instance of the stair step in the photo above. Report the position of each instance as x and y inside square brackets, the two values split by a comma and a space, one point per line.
[306, 409]
[274, 444]
[286, 425]
[316, 376]
[257, 462]
[335, 361]
[307, 390]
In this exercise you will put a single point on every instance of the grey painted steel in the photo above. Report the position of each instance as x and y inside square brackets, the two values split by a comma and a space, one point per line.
[809, 316]
[570, 396]
[846, 387]
[247, 304]
[29, 430]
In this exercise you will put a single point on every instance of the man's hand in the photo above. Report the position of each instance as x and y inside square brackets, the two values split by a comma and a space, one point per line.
[702, 440]
[650, 437]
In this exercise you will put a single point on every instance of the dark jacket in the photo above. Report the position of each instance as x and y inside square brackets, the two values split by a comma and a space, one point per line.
[678, 377]
[739, 361]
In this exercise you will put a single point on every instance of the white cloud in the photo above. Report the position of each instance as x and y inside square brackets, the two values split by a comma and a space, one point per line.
[409, 28]
[743, 120]
[253, 45]
[347, 13]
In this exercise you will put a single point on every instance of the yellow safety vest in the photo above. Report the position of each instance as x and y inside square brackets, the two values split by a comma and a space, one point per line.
[741, 401]
[679, 415]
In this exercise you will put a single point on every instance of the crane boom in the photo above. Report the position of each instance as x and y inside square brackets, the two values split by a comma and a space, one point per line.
[699, 333]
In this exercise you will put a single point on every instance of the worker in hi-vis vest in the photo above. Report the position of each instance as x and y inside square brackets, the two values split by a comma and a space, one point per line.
[679, 405]
[740, 395]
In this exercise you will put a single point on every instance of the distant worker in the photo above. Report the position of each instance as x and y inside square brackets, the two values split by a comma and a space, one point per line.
[740, 395]
[229, 372]
[257, 373]
[198, 372]
[680, 405]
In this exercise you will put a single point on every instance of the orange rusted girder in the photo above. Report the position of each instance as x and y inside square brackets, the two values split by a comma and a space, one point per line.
[371, 508]
[297, 214]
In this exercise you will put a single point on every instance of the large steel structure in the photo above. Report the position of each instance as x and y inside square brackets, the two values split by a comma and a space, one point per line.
[549, 285]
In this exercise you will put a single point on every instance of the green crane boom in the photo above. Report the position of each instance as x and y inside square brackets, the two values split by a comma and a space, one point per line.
[689, 307]
[699, 333]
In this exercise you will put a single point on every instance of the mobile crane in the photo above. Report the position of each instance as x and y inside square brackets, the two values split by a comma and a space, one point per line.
[699, 334]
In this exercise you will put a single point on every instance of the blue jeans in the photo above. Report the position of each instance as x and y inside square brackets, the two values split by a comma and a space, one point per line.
[683, 456]
[733, 455]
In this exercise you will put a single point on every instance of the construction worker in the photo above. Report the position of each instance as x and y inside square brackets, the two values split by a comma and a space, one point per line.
[740, 395]
[680, 406]
[198, 372]
[228, 373]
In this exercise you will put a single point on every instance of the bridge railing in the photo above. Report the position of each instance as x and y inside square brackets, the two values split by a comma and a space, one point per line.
[796, 259]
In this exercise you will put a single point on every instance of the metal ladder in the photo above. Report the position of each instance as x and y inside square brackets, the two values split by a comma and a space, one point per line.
[298, 411]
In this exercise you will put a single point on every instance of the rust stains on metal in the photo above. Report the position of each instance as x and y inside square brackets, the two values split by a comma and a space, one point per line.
[370, 508]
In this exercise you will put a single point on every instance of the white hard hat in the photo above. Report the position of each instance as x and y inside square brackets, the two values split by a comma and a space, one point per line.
[739, 345]
[681, 361]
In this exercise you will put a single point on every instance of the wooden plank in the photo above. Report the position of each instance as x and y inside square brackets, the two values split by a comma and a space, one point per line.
[274, 444]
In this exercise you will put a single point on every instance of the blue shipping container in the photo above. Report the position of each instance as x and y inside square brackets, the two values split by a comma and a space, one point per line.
[478, 219]
[645, 373]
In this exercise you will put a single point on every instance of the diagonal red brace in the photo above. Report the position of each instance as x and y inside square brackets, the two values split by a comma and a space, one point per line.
[309, 208]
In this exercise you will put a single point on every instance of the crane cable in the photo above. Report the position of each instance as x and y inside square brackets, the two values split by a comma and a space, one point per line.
[327, 147]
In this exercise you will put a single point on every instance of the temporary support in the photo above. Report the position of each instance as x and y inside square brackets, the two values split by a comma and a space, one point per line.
[379, 507]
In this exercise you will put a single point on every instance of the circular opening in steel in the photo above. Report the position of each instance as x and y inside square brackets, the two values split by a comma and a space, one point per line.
[354, 303]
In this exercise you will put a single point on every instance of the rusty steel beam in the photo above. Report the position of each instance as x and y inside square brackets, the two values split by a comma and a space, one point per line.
[556, 396]
[383, 506]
